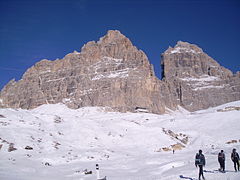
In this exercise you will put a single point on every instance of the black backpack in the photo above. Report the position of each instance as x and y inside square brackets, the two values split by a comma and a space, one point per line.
[199, 160]
[235, 156]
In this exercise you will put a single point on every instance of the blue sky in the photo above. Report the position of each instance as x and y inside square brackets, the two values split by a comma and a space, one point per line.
[31, 30]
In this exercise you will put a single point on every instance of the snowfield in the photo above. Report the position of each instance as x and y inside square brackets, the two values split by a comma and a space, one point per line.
[53, 142]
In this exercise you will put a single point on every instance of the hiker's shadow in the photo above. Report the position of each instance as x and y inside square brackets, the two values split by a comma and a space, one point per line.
[184, 177]
[230, 171]
[209, 171]
[217, 171]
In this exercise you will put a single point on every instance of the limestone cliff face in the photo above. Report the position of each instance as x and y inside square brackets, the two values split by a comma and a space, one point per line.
[110, 72]
[113, 72]
[196, 80]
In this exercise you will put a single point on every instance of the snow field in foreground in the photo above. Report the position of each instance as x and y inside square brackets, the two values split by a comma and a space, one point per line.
[127, 146]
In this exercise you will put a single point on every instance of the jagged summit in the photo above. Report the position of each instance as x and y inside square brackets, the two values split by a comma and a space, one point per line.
[184, 44]
[113, 36]
[189, 60]
[197, 80]
[182, 47]
[113, 44]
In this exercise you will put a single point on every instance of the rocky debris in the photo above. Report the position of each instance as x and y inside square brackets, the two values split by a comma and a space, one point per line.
[28, 148]
[113, 73]
[47, 164]
[2, 116]
[87, 172]
[166, 149]
[1, 145]
[57, 119]
[182, 138]
[5, 141]
[12, 159]
[177, 146]
[230, 108]
[11, 147]
[232, 142]
[56, 144]
[3, 123]
[196, 80]
[172, 148]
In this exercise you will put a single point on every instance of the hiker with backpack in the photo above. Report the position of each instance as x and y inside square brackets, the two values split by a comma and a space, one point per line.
[221, 160]
[235, 159]
[200, 162]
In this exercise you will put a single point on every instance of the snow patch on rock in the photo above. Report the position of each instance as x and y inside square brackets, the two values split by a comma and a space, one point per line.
[202, 82]
[203, 78]
[183, 49]
[208, 87]
[123, 73]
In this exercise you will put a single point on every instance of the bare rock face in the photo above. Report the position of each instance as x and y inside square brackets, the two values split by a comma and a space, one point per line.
[196, 80]
[110, 72]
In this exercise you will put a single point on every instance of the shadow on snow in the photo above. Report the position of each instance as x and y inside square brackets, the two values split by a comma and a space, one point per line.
[184, 177]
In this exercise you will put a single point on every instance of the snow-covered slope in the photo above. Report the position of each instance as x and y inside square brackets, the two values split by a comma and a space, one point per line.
[127, 146]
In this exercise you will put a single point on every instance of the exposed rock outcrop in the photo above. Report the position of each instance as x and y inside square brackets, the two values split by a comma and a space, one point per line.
[113, 72]
[197, 81]
[110, 72]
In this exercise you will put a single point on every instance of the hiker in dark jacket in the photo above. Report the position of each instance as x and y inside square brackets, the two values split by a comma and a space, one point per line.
[221, 160]
[200, 162]
[235, 159]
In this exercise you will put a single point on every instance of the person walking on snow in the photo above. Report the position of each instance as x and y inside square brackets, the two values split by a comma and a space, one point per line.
[221, 160]
[235, 159]
[200, 162]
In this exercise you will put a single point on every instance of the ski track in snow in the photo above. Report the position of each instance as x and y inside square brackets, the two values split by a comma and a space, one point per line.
[125, 145]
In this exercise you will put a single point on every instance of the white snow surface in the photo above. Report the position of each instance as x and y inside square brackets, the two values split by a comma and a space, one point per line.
[184, 49]
[125, 145]
[203, 82]
[208, 87]
[123, 73]
[112, 59]
[109, 61]
[203, 78]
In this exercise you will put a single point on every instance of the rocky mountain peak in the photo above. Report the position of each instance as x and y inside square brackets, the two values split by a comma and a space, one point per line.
[113, 44]
[113, 36]
[195, 76]
[189, 60]
[184, 47]
[110, 72]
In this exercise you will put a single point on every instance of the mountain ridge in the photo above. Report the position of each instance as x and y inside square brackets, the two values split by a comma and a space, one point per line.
[113, 72]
